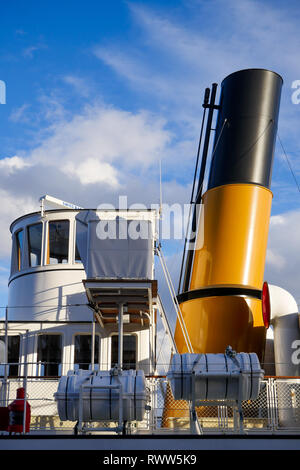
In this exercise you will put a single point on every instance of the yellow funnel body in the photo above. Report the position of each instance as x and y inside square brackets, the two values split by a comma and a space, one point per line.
[230, 253]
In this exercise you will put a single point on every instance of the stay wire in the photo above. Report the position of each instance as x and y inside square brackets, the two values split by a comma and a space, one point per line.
[289, 163]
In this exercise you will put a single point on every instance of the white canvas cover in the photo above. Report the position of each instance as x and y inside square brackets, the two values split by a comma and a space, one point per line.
[115, 248]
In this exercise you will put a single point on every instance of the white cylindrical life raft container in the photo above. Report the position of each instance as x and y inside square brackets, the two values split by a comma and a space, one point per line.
[98, 393]
[229, 377]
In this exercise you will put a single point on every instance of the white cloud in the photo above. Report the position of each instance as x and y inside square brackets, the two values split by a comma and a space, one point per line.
[277, 220]
[12, 206]
[211, 40]
[29, 51]
[275, 260]
[90, 156]
[20, 114]
[92, 171]
[104, 135]
[79, 84]
[52, 107]
[10, 165]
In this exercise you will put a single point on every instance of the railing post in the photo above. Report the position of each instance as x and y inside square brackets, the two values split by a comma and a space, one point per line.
[25, 386]
[120, 338]
[93, 344]
[6, 367]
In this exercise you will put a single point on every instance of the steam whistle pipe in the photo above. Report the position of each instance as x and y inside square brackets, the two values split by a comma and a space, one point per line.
[211, 107]
[220, 305]
[189, 257]
[205, 106]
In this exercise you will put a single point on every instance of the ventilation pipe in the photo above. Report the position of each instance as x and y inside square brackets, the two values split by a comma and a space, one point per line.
[284, 318]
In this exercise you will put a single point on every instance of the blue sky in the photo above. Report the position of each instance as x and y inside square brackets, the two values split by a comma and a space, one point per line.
[99, 92]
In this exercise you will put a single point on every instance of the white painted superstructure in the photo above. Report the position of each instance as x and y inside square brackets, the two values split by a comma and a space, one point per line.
[47, 295]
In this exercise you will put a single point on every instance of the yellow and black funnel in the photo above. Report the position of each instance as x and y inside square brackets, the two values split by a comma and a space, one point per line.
[221, 303]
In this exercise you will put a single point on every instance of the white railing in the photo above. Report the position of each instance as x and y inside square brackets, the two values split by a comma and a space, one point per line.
[276, 410]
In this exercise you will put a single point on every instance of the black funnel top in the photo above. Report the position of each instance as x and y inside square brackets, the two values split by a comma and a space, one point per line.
[246, 128]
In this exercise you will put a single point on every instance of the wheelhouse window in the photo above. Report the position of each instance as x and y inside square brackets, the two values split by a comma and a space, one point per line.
[58, 242]
[17, 251]
[77, 254]
[129, 351]
[80, 241]
[49, 354]
[83, 350]
[35, 233]
[19, 247]
[13, 354]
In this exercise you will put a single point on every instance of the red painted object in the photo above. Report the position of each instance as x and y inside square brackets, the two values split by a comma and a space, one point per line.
[266, 305]
[16, 413]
